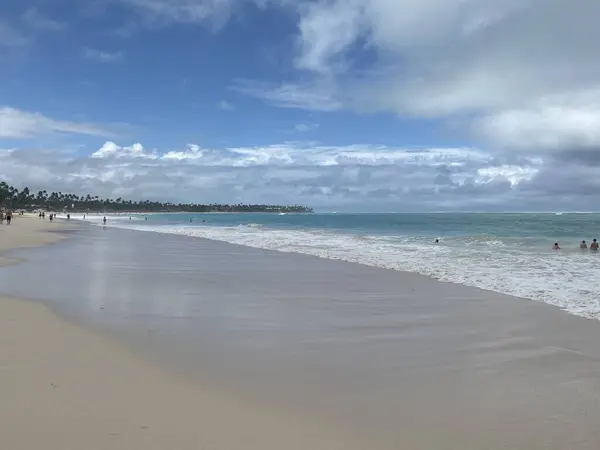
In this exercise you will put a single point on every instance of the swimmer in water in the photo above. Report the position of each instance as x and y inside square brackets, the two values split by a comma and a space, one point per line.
[437, 241]
[594, 245]
[555, 246]
[583, 245]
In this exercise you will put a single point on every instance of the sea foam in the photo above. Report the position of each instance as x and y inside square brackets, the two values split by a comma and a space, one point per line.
[566, 279]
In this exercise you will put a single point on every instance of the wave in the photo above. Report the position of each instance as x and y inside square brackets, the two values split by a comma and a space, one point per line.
[509, 266]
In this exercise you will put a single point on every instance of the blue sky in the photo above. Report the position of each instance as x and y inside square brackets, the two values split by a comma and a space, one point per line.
[356, 104]
[176, 83]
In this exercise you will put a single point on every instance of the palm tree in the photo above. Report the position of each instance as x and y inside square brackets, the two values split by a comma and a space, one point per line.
[11, 197]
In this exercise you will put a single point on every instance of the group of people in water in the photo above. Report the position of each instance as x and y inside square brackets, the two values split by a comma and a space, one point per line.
[594, 246]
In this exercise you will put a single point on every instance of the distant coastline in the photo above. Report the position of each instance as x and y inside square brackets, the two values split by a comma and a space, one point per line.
[12, 198]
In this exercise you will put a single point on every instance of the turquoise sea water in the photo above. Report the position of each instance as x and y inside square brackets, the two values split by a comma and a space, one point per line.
[508, 253]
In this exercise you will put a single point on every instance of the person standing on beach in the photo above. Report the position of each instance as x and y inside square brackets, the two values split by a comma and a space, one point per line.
[8, 217]
[104, 220]
[594, 245]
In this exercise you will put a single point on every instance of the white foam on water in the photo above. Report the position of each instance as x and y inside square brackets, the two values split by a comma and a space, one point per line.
[568, 280]
[97, 217]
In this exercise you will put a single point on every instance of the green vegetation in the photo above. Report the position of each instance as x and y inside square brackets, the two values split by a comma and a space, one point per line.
[12, 198]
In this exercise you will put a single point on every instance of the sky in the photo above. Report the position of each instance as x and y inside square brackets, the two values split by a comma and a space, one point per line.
[346, 105]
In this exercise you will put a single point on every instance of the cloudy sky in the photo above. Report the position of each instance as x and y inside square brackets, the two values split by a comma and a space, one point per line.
[363, 105]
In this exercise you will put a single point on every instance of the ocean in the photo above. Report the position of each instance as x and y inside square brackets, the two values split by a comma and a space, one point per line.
[509, 253]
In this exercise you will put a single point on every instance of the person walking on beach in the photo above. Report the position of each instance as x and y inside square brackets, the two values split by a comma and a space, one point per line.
[8, 217]
[594, 245]
[583, 245]
[555, 246]
[104, 220]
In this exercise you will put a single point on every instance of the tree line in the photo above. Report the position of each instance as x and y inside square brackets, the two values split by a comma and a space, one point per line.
[12, 198]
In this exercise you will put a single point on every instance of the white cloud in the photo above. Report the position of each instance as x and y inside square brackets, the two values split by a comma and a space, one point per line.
[511, 173]
[17, 124]
[102, 56]
[190, 11]
[351, 177]
[305, 127]
[512, 72]
[315, 97]
[508, 70]
[299, 154]
[321, 52]
[518, 73]
[522, 75]
[38, 21]
[553, 124]
[10, 37]
[192, 152]
[225, 105]
[112, 150]
[15, 36]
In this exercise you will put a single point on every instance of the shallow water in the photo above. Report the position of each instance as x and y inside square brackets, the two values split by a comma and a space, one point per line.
[506, 253]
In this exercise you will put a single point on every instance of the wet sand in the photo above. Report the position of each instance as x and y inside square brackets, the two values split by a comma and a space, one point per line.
[67, 388]
[378, 359]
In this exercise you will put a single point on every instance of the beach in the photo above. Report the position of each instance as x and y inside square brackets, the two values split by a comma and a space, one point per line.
[64, 387]
[509, 253]
[144, 340]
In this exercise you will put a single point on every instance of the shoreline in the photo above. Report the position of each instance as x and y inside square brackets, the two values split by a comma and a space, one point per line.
[66, 387]
[345, 356]
[545, 292]
[139, 213]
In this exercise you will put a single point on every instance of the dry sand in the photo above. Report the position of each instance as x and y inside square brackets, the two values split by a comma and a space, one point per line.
[66, 388]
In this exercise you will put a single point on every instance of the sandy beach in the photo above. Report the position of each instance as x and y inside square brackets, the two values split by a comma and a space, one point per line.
[66, 388]
[176, 342]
